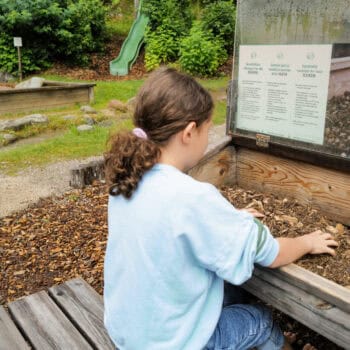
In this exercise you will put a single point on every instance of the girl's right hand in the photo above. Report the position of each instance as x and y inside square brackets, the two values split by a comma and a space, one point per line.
[320, 242]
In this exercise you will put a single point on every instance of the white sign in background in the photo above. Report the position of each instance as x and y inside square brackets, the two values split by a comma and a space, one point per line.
[283, 89]
[17, 41]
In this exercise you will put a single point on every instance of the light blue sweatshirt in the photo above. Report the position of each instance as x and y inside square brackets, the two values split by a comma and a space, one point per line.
[169, 248]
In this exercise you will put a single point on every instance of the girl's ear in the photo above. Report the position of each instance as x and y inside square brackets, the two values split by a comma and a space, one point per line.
[187, 133]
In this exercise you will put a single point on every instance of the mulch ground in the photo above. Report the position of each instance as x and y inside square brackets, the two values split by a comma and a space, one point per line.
[99, 66]
[63, 237]
[287, 218]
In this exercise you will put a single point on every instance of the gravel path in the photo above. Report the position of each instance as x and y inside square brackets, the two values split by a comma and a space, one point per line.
[18, 192]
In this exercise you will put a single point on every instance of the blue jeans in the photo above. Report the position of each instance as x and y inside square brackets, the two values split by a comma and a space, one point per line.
[243, 327]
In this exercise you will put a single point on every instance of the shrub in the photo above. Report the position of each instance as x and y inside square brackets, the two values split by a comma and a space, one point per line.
[162, 47]
[219, 18]
[50, 29]
[178, 12]
[201, 53]
[169, 22]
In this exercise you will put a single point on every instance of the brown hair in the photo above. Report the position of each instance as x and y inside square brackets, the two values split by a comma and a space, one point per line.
[165, 104]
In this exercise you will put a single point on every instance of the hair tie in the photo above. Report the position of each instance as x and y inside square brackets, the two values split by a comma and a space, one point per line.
[140, 133]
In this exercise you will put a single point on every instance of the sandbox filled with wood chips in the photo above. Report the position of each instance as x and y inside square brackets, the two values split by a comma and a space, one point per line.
[285, 217]
[63, 237]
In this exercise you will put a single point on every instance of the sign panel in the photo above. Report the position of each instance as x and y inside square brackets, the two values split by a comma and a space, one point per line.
[17, 41]
[282, 90]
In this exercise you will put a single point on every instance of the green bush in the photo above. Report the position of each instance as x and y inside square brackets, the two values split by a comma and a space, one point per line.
[170, 20]
[9, 57]
[50, 30]
[219, 18]
[201, 53]
[178, 12]
[162, 47]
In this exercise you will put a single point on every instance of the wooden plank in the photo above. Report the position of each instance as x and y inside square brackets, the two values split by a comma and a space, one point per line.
[324, 189]
[46, 87]
[10, 337]
[84, 307]
[219, 169]
[65, 84]
[310, 282]
[42, 100]
[310, 156]
[315, 313]
[44, 324]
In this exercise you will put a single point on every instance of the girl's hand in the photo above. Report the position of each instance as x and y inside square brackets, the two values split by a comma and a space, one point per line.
[320, 242]
[253, 212]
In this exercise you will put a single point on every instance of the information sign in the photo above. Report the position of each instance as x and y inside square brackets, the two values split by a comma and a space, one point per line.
[282, 90]
[17, 41]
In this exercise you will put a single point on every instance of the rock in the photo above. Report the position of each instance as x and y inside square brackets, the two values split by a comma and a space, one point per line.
[117, 105]
[20, 123]
[88, 109]
[108, 113]
[106, 123]
[131, 103]
[84, 127]
[89, 120]
[32, 83]
[9, 138]
[69, 117]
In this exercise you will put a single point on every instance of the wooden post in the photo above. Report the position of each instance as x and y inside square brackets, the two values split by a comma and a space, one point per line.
[17, 42]
[19, 63]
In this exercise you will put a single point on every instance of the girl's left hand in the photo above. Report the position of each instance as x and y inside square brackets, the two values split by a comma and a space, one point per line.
[254, 212]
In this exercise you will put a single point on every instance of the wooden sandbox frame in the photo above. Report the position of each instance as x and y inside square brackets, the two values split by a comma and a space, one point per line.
[52, 94]
[317, 302]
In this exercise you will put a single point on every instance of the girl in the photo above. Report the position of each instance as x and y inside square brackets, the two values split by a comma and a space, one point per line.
[173, 240]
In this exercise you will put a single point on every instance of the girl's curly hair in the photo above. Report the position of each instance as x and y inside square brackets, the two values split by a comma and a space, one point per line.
[165, 104]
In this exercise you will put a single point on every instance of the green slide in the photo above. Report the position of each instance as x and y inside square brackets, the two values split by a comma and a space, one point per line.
[131, 47]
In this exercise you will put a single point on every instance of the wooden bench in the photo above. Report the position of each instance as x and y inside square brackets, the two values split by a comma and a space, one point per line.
[68, 316]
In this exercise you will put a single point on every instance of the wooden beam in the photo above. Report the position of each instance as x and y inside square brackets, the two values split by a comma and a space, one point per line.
[310, 282]
[324, 189]
[84, 307]
[219, 169]
[313, 312]
[44, 324]
[10, 337]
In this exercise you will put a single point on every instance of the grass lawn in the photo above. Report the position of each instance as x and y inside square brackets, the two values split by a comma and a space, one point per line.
[74, 145]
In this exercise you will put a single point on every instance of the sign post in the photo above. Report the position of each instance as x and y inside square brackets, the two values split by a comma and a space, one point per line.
[17, 42]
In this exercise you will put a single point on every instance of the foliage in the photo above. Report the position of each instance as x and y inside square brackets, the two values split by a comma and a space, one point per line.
[219, 18]
[162, 47]
[50, 29]
[175, 11]
[169, 22]
[9, 57]
[201, 53]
